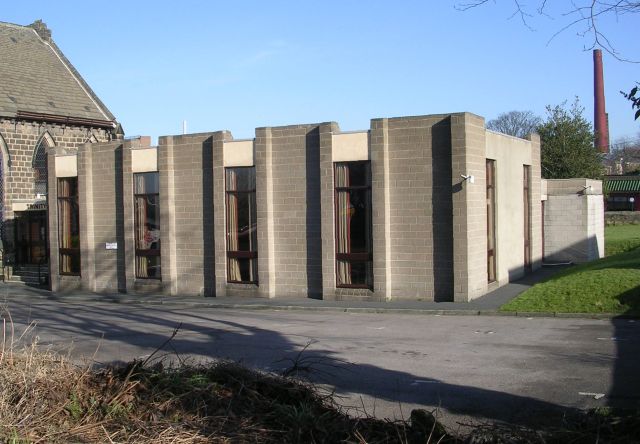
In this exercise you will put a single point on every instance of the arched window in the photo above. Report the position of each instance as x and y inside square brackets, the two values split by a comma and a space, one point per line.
[39, 164]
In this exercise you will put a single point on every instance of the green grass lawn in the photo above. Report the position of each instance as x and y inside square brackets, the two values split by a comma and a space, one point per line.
[621, 238]
[609, 285]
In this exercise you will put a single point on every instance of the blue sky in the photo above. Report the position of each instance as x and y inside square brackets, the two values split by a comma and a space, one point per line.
[243, 64]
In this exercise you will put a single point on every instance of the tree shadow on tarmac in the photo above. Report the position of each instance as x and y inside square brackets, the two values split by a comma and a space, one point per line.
[201, 337]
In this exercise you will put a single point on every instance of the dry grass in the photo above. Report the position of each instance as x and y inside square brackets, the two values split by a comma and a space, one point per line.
[46, 398]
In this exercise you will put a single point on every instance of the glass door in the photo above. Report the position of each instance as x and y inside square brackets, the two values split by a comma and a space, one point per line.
[31, 238]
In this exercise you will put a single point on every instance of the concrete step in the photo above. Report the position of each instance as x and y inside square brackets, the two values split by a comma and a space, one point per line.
[30, 273]
[30, 268]
[20, 280]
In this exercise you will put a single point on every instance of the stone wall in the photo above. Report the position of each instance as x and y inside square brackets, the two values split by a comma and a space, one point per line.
[621, 218]
[18, 141]
[21, 139]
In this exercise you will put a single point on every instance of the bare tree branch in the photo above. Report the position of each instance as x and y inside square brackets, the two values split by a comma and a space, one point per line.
[585, 15]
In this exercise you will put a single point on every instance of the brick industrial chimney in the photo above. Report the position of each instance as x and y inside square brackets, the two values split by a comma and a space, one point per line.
[600, 121]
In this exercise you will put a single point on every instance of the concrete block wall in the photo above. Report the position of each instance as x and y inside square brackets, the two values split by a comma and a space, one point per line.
[411, 208]
[573, 220]
[222, 287]
[288, 211]
[468, 157]
[187, 220]
[537, 224]
[100, 193]
[429, 225]
[411, 166]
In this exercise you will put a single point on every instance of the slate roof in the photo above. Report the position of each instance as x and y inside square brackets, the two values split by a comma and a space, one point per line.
[35, 77]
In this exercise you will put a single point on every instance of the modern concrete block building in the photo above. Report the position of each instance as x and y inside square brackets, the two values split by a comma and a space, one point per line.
[424, 208]
[44, 105]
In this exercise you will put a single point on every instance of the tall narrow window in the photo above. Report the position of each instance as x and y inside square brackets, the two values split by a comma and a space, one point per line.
[526, 194]
[354, 258]
[491, 220]
[242, 234]
[39, 165]
[147, 225]
[68, 226]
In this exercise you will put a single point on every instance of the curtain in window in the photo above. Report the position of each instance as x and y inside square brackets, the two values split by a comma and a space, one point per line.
[65, 208]
[147, 225]
[232, 226]
[141, 226]
[68, 226]
[343, 219]
[242, 240]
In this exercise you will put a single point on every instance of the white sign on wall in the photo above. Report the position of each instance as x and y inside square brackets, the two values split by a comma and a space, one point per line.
[111, 246]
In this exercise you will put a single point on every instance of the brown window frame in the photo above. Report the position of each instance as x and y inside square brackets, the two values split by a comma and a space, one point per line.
[492, 271]
[67, 225]
[362, 257]
[252, 255]
[146, 252]
[526, 195]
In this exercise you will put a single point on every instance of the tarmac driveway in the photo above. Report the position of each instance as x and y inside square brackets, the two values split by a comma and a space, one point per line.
[491, 367]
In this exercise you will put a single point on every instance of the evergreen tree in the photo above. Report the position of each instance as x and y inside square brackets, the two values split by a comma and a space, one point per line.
[567, 145]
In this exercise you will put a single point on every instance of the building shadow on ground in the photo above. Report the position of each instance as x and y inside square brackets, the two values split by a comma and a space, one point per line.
[140, 330]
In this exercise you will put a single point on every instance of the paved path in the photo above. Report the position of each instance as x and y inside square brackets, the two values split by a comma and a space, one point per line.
[487, 304]
[498, 368]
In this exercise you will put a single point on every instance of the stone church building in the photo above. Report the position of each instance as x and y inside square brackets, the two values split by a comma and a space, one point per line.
[44, 104]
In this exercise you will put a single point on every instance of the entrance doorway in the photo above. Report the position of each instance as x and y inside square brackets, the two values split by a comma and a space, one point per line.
[32, 247]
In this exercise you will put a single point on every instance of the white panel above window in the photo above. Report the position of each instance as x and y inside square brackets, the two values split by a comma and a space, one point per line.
[67, 166]
[238, 153]
[348, 147]
[144, 160]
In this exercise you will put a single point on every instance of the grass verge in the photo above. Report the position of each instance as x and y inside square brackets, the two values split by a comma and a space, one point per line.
[609, 285]
[621, 238]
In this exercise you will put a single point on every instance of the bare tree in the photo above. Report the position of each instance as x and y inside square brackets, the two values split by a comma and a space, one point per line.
[583, 15]
[515, 123]
[624, 156]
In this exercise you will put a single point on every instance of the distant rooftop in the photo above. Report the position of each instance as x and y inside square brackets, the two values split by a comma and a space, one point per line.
[36, 79]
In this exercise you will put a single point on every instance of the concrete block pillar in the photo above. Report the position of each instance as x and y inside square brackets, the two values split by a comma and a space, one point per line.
[126, 230]
[52, 205]
[536, 203]
[327, 131]
[381, 203]
[265, 209]
[87, 232]
[468, 157]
